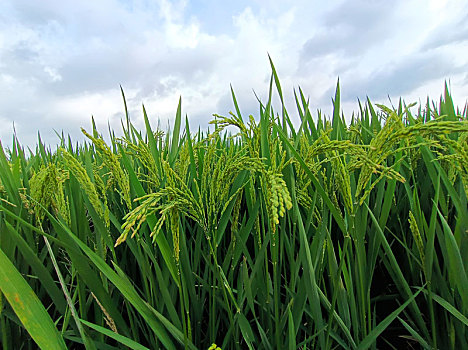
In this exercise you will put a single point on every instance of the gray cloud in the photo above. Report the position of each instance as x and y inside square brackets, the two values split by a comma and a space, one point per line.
[99, 52]
[402, 77]
[351, 29]
[450, 33]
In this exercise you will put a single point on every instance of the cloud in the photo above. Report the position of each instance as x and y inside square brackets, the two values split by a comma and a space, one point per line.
[64, 60]
[454, 32]
[381, 50]
[351, 29]
[403, 76]
[60, 64]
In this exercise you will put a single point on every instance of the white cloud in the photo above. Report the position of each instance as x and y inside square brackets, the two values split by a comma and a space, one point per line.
[60, 64]
[54, 75]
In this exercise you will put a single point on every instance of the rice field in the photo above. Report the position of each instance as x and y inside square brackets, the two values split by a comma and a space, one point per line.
[325, 235]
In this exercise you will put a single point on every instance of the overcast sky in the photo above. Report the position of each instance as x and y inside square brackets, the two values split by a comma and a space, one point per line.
[63, 61]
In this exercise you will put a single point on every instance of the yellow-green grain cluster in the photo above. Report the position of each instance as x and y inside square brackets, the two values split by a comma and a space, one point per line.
[46, 188]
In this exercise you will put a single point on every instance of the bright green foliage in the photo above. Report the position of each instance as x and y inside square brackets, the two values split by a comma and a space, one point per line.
[324, 235]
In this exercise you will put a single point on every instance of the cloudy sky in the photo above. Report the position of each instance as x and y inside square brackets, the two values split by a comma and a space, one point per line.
[63, 61]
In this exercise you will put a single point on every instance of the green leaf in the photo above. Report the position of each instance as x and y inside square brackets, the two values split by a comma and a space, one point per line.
[120, 338]
[450, 308]
[175, 134]
[246, 330]
[28, 307]
[291, 332]
[127, 290]
[373, 335]
[37, 267]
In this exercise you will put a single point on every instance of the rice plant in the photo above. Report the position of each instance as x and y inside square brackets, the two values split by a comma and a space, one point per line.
[325, 235]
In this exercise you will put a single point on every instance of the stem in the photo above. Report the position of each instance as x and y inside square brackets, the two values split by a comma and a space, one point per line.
[335, 292]
[221, 280]
[276, 290]
[182, 306]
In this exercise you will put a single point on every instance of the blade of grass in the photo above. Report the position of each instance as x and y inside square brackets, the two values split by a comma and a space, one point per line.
[374, 334]
[28, 307]
[117, 337]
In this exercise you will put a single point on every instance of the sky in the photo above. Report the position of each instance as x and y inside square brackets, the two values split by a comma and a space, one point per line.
[62, 62]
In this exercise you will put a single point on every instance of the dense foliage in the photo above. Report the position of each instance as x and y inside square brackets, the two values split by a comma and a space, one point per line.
[324, 235]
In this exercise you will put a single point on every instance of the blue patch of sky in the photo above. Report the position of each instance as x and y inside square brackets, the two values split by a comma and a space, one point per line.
[216, 17]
